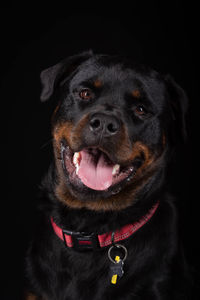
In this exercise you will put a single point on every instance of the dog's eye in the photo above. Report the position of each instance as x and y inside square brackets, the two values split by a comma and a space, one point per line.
[140, 110]
[85, 94]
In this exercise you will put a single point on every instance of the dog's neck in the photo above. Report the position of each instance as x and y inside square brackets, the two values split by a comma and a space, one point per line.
[90, 240]
[88, 220]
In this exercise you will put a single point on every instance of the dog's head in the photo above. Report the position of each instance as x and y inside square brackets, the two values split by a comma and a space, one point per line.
[112, 128]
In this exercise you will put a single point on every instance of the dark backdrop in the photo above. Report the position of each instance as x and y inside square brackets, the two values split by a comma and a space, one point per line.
[162, 35]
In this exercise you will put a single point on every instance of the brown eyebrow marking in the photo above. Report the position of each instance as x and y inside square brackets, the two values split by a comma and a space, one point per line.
[98, 83]
[136, 94]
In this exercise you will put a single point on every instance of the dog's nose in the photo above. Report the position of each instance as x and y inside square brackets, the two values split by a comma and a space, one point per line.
[104, 124]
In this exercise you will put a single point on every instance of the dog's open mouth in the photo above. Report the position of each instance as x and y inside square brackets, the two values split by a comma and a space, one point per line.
[94, 169]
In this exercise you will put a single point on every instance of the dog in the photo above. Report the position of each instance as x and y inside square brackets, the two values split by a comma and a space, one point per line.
[109, 226]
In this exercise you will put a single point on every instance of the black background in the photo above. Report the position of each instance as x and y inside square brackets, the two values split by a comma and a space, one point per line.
[162, 35]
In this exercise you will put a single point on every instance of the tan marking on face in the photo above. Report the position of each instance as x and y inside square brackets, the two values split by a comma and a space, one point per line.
[32, 297]
[136, 94]
[62, 130]
[98, 83]
[141, 149]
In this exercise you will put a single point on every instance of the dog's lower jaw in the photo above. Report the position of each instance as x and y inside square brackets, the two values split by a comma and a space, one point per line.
[99, 201]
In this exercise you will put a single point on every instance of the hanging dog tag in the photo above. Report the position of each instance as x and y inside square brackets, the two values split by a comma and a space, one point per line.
[116, 269]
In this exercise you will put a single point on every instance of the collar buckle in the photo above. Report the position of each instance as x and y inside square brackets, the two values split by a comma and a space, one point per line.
[82, 240]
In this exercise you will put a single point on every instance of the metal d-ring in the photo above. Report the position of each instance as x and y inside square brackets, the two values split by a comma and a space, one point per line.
[117, 246]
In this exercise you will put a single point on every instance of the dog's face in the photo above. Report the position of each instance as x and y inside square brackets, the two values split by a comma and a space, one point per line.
[112, 128]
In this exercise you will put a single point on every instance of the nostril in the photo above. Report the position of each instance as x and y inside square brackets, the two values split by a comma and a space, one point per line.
[95, 124]
[112, 128]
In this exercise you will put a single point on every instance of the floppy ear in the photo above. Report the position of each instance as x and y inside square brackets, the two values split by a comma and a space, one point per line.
[179, 105]
[51, 77]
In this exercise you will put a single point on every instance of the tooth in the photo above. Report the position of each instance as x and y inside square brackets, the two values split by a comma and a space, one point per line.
[77, 168]
[115, 170]
[76, 158]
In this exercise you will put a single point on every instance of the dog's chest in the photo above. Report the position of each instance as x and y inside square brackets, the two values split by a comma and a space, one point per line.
[82, 275]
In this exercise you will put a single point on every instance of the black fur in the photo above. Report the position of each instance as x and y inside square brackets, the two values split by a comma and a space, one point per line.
[155, 267]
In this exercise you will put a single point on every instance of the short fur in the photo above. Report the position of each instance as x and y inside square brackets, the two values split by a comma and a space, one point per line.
[150, 111]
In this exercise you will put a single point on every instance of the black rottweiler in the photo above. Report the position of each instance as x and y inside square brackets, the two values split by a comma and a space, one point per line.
[109, 226]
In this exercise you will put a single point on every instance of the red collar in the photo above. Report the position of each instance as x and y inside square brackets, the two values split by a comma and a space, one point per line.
[82, 240]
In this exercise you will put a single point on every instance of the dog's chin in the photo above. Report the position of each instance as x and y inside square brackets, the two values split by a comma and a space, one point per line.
[92, 174]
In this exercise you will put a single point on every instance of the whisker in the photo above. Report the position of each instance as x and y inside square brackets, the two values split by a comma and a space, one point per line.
[47, 143]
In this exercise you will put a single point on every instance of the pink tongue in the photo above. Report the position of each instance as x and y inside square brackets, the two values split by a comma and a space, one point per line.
[97, 176]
